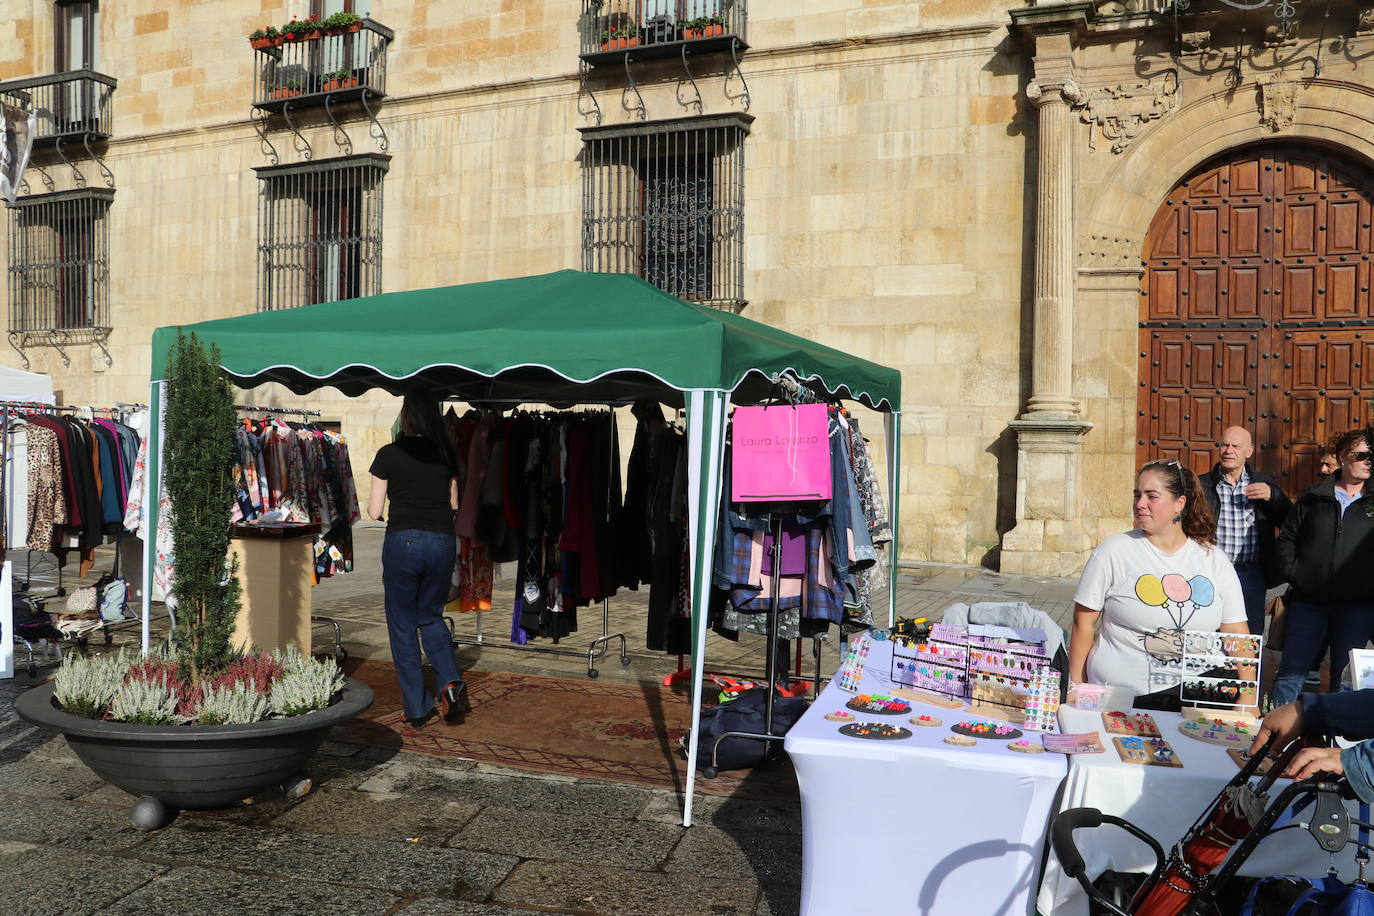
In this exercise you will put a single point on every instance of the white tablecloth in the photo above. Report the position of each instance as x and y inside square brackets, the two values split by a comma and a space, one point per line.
[915, 825]
[1164, 802]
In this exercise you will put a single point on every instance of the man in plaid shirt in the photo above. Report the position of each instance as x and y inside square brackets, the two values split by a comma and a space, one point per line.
[1249, 506]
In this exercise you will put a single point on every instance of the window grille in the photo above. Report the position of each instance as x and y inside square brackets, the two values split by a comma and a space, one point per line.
[320, 231]
[665, 200]
[59, 261]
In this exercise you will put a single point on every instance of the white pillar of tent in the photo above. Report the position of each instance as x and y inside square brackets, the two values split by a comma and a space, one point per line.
[892, 436]
[152, 504]
[706, 414]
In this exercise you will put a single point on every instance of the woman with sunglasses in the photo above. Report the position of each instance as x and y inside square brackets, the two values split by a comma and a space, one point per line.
[1326, 547]
[1142, 589]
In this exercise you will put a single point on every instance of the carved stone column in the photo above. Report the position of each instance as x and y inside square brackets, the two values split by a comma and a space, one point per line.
[1048, 538]
[1055, 276]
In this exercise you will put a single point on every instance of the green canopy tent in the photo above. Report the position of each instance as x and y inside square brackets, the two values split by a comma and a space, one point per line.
[560, 338]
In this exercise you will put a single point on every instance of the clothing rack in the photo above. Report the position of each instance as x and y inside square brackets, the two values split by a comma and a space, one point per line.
[600, 645]
[794, 393]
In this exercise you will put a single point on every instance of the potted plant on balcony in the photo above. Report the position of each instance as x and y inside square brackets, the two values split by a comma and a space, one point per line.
[286, 90]
[342, 23]
[197, 725]
[302, 29]
[620, 37]
[264, 38]
[339, 79]
[702, 27]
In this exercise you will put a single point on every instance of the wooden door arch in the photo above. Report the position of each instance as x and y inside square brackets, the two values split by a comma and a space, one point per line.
[1256, 309]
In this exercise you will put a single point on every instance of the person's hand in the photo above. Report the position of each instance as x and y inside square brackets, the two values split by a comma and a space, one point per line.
[1258, 491]
[1313, 760]
[1283, 724]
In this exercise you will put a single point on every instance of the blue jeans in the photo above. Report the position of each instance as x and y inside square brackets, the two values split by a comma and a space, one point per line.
[1348, 626]
[1251, 575]
[417, 567]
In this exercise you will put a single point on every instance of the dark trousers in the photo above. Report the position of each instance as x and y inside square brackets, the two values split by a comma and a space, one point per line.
[1349, 626]
[417, 567]
[1251, 575]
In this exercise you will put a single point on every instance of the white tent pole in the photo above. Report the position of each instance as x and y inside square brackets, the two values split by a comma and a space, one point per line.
[705, 451]
[152, 490]
[892, 434]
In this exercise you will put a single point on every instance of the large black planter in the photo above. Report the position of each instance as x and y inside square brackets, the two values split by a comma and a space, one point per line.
[193, 766]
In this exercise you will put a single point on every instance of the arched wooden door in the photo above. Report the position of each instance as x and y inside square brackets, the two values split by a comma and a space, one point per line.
[1256, 310]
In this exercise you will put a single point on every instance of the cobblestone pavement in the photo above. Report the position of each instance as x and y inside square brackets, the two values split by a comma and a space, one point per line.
[394, 832]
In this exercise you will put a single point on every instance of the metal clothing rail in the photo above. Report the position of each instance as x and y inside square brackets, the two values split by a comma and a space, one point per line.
[294, 411]
[600, 645]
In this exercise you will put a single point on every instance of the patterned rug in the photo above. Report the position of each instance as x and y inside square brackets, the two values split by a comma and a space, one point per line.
[576, 727]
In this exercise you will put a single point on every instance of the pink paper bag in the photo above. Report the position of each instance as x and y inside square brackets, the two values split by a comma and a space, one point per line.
[780, 453]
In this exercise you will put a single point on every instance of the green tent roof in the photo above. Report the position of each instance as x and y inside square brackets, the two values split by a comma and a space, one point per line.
[560, 337]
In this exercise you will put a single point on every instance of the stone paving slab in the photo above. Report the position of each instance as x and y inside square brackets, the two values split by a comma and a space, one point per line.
[204, 891]
[66, 824]
[368, 863]
[600, 891]
[349, 812]
[740, 854]
[568, 837]
[43, 881]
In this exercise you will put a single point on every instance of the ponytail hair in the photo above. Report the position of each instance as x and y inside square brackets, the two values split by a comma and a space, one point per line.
[1198, 521]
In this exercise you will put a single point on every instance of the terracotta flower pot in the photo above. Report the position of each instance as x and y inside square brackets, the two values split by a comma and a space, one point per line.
[710, 31]
[283, 93]
[620, 44]
[346, 30]
[277, 41]
[260, 43]
[335, 85]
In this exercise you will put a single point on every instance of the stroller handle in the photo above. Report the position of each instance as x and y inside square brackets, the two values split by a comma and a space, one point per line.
[1071, 860]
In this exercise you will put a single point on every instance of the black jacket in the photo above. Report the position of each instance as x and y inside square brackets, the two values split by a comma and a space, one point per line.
[1326, 556]
[1270, 515]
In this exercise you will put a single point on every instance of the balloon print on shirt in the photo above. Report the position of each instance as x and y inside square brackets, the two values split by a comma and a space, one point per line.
[1180, 598]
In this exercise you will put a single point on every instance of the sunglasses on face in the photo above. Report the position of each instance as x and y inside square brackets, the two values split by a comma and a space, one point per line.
[1360, 456]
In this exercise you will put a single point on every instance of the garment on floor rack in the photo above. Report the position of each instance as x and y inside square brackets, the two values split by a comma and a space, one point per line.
[69, 478]
[297, 472]
[541, 490]
[829, 548]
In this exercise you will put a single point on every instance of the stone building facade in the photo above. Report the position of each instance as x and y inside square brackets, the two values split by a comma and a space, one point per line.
[963, 191]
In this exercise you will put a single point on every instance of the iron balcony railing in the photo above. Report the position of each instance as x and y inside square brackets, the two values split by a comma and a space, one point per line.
[335, 68]
[75, 105]
[659, 28]
[59, 261]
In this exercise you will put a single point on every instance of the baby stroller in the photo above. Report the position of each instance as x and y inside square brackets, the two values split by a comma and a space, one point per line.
[1187, 880]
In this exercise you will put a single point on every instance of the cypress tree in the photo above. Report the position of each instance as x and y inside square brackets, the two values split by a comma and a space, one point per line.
[199, 456]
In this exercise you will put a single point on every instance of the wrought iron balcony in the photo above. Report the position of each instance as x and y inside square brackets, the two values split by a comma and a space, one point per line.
[324, 70]
[613, 30]
[75, 105]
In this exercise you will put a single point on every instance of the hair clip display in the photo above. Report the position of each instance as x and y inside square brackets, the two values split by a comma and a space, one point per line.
[1220, 669]
[1147, 752]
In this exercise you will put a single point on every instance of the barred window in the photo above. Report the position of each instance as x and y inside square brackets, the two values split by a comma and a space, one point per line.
[59, 261]
[665, 200]
[320, 230]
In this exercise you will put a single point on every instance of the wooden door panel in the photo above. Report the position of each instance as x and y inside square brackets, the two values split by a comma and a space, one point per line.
[1343, 227]
[1300, 220]
[1342, 292]
[1246, 176]
[1243, 292]
[1204, 231]
[1204, 300]
[1245, 237]
[1299, 174]
[1167, 241]
[1298, 293]
[1165, 302]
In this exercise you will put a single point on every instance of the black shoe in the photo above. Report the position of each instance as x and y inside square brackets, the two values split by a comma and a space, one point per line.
[454, 701]
[420, 722]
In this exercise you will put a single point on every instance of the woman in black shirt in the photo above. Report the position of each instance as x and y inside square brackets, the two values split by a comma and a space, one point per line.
[416, 473]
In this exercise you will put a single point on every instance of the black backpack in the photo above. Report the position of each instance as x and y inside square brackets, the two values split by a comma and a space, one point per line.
[745, 713]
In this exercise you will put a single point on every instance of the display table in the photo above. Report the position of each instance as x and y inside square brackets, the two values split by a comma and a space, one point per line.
[1164, 802]
[915, 825]
[275, 572]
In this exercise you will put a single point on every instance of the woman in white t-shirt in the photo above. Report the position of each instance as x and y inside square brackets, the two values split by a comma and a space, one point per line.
[1142, 588]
